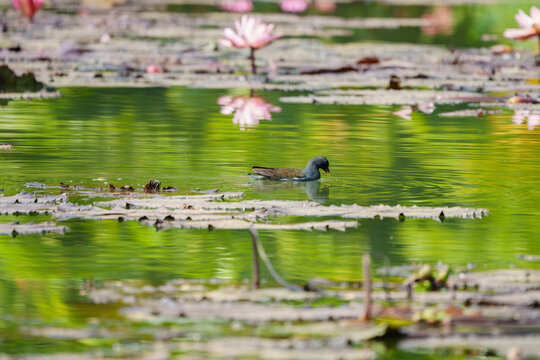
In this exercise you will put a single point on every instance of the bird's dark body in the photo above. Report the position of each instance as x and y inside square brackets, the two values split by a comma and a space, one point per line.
[310, 173]
[278, 174]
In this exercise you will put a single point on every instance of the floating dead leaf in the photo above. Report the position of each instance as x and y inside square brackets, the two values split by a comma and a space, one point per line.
[383, 97]
[528, 257]
[368, 60]
[522, 100]
[471, 113]
[339, 70]
[36, 185]
[234, 223]
[16, 228]
[500, 49]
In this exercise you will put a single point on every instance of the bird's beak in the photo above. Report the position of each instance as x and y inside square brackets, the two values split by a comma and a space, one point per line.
[327, 170]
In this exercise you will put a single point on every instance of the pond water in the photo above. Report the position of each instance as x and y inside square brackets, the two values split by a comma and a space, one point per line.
[179, 136]
[94, 137]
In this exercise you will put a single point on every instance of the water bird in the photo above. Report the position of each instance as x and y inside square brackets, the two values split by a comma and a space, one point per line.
[310, 173]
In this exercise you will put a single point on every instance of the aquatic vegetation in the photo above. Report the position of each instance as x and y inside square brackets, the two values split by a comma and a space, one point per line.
[529, 26]
[236, 5]
[27, 7]
[340, 79]
[250, 32]
[15, 228]
[11, 82]
[208, 210]
[248, 111]
[293, 6]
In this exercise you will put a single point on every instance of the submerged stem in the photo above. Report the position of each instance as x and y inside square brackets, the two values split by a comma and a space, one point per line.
[255, 280]
[537, 57]
[252, 58]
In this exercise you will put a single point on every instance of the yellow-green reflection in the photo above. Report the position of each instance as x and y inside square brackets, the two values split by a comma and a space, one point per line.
[178, 136]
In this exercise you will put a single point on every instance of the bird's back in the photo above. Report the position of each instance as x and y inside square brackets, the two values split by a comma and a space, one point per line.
[278, 174]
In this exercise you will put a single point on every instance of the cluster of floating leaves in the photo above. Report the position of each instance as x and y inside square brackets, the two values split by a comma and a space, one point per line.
[499, 309]
[209, 210]
[106, 49]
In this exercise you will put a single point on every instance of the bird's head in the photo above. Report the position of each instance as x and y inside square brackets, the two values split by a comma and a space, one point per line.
[320, 162]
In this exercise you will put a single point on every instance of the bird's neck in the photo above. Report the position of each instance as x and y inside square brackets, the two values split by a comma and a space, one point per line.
[312, 173]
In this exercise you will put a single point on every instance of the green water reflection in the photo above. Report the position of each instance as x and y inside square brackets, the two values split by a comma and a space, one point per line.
[178, 136]
[469, 25]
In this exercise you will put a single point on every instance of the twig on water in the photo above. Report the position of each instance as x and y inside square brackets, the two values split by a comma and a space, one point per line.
[256, 281]
[268, 264]
[367, 288]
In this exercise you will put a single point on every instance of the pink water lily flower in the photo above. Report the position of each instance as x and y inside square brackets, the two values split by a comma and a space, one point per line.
[293, 6]
[27, 7]
[236, 5]
[248, 111]
[250, 32]
[529, 25]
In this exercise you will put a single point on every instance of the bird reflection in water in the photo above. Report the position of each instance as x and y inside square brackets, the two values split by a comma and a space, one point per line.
[248, 110]
[314, 190]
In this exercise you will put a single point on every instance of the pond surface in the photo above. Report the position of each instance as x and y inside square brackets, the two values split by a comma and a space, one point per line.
[177, 135]
[99, 136]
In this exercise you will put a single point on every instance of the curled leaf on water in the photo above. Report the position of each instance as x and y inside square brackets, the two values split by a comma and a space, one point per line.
[428, 278]
[426, 107]
[500, 49]
[521, 100]
[404, 113]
